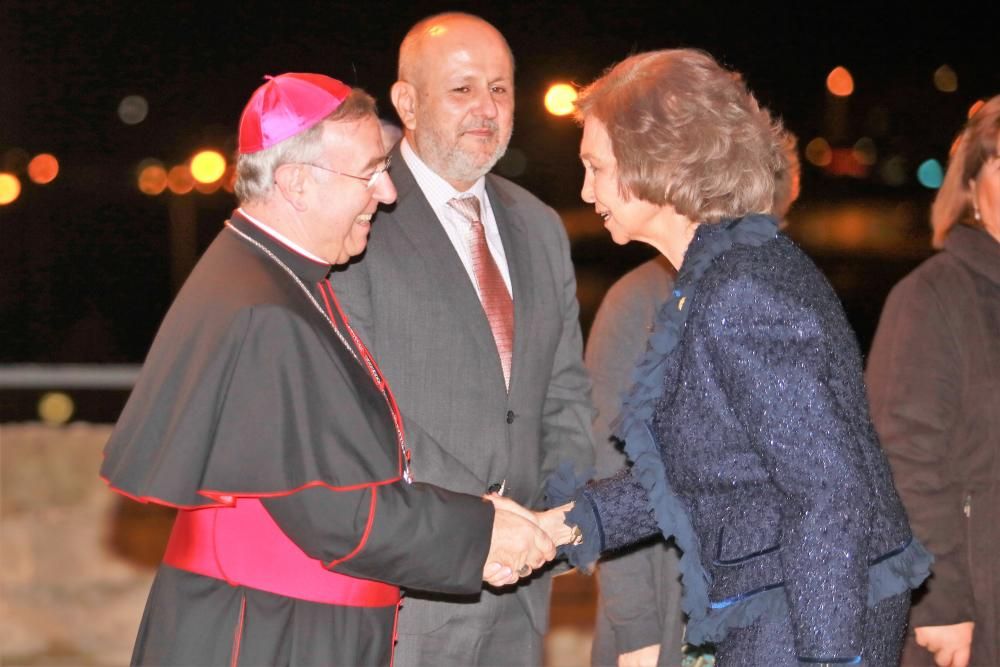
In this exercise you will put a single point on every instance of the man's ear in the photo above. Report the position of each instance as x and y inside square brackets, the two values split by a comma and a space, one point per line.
[290, 180]
[404, 98]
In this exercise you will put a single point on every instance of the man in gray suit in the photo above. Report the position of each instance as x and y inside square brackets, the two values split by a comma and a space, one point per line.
[470, 308]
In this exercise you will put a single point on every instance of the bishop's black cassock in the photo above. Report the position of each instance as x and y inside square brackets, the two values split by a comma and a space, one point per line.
[273, 437]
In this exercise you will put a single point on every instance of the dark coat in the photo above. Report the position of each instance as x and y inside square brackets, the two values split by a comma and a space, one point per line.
[765, 439]
[248, 394]
[934, 379]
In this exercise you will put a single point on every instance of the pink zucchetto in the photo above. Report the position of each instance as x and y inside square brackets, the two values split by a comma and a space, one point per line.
[286, 105]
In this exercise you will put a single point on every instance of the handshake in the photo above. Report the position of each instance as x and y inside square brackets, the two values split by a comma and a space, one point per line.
[524, 541]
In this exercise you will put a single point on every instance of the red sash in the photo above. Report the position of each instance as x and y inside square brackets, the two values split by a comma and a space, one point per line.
[243, 546]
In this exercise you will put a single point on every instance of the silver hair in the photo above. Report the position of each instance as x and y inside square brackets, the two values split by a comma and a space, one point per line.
[255, 171]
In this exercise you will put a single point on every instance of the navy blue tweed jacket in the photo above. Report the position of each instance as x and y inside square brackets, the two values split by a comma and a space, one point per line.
[752, 444]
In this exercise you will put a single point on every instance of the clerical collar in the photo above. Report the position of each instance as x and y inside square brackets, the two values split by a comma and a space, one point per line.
[305, 264]
[281, 237]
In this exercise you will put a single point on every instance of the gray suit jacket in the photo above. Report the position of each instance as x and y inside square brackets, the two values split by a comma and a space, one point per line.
[412, 302]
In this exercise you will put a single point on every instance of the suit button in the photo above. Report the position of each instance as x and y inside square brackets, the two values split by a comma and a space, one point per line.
[510, 416]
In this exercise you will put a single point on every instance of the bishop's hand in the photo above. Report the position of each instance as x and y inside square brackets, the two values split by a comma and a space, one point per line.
[518, 545]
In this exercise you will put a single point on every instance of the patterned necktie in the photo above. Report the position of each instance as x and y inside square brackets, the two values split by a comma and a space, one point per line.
[493, 292]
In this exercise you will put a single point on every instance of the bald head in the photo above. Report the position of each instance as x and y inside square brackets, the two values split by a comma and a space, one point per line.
[455, 95]
[434, 34]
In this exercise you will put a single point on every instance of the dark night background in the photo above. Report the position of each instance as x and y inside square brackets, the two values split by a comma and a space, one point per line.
[85, 260]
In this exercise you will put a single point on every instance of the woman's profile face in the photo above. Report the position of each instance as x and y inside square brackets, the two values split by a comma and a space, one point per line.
[627, 219]
[987, 193]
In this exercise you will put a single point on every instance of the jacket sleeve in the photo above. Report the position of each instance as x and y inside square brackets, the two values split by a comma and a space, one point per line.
[914, 380]
[567, 410]
[628, 581]
[413, 535]
[770, 356]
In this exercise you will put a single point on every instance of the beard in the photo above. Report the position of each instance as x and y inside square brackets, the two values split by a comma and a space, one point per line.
[458, 164]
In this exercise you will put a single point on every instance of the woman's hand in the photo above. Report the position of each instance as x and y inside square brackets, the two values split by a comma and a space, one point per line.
[553, 522]
[950, 644]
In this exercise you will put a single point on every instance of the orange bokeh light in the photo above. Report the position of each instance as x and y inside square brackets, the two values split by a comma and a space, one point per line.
[207, 188]
[976, 106]
[43, 168]
[818, 152]
[10, 188]
[229, 180]
[560, 99]
[179, 180]
[840, 82]
[152, 179]
[208, 166]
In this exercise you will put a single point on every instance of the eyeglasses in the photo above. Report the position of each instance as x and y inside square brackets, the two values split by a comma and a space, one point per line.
[369, 181]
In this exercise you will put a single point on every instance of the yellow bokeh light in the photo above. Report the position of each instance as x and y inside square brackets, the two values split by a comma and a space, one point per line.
[152, 179]
[179, 180]
[55, 408]
[976, 106]
[840, 82]
[10, 188]
[43, 168]
[208, 166]
[560, 99]
[818, 152]
[945, 79]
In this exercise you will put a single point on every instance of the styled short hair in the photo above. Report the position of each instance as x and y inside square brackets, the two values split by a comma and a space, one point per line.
[687, 132]
[976, 144]
[787, 179]
[255, 171]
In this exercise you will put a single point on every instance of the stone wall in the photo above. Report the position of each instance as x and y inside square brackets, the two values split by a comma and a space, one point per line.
[73, 577]
[76, 560]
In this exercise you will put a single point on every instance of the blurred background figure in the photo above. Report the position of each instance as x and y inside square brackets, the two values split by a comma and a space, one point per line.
[639, 619]
[934, 381]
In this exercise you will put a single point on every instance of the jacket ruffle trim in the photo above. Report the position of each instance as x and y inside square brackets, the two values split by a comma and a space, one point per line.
[639, 404]
[707, 622]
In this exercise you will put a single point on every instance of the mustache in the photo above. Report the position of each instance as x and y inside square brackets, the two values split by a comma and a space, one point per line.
[486, 124]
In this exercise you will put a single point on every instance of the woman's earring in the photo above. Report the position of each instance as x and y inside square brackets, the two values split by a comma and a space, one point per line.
[975, 213]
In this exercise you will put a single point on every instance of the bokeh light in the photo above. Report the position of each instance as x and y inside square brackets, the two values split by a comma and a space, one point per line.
[43, 168]
[133, 109]
[840, 82]
[930, 174]
[229, 179]
[513, 163]
[179, 180]
[560, 98]
[893, 170]
[945, 79]
[976, 106]
[818, 152]
[865, 152]
[152, 178]
[10, 188]
[208, 166]
[55, 408]
[207, 188]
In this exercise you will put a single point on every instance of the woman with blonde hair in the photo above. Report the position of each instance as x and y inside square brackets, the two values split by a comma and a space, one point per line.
[747, 423]
[934, 379]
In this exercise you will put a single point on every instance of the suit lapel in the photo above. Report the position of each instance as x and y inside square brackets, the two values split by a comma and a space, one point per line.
[517, 248]
[416, 220]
